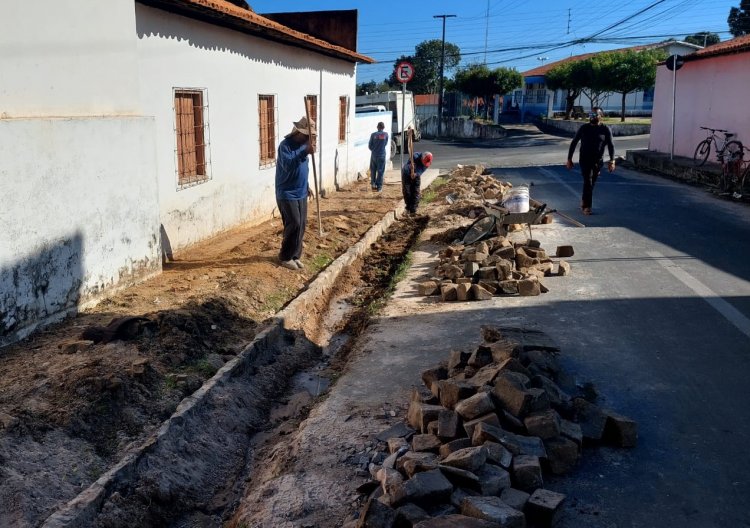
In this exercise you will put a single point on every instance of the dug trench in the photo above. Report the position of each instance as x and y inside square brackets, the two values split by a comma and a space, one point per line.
[196, 474]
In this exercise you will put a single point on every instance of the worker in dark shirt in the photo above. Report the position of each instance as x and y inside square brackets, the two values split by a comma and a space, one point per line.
[292, 190]
[379, 142]
[594, 137]
[411, 179]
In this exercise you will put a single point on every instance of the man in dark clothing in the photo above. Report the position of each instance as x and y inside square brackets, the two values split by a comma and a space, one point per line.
[412, 181]
[379, 142]
[594, 137]
[292, 190]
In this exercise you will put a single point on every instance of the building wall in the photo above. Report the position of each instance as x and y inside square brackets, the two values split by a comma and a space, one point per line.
[79, 215]
[78, 179]
[709, 92]
[67, 58]
[233, 68]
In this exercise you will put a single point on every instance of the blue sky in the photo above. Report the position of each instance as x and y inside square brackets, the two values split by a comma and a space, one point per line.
[389, 28]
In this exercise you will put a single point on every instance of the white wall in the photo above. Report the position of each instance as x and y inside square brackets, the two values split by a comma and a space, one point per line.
[79, 215]
[233, 68]
[67, 58]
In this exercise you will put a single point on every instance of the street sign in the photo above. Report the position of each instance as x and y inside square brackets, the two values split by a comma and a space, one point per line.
[404, 71]
[675, 62]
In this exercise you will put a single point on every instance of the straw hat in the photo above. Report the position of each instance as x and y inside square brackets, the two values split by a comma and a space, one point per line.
[302, 127]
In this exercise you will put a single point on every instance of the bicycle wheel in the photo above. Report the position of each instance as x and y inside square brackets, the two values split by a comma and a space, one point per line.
[732, 152]
[743, 186]
[701, 152]
[481, 228]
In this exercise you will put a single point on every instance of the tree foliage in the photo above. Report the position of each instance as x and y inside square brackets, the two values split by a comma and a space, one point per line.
[373, 87]
[571, 76]
[628, 71]
[704, 38]
[739, 19]
[479, 81]
[426, 61]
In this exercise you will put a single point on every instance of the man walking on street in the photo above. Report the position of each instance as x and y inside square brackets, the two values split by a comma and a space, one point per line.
[411, 182]
[379, 142]
[594, 137]
[292, 190]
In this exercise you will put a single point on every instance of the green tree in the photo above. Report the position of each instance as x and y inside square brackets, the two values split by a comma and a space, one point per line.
[739, 19]
[571, 76]
[628, 71]
[426, 61]
[479, 81]
[704, 38]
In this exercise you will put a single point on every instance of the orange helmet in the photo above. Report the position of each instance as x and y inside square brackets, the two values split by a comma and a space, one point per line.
[426, 158]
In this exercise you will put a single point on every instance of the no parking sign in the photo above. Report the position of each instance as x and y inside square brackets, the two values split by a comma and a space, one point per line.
[404, 71]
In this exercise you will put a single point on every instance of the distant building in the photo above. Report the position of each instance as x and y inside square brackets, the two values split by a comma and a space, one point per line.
[711, 90]
[536, 98]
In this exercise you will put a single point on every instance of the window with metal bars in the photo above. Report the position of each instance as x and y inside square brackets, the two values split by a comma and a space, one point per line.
[267, 123]
[343, 114]
[191, 131]
[312, 103]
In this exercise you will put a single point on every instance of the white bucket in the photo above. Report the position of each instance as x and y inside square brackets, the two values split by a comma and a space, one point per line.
[516, 200]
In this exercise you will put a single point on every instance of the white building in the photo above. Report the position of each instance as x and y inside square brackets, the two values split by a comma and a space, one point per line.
[127, 126]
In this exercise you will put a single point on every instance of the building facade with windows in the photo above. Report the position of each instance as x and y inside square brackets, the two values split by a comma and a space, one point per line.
[130, 129]
[536, 99]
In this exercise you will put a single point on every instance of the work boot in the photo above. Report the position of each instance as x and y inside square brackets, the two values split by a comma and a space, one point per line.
[299, 264]
[587, 211]
[289, 264]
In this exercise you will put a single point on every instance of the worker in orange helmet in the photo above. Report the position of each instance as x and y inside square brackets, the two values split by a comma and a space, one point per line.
[411, 180]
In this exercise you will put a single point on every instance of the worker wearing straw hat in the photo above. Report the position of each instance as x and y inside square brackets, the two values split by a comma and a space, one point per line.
[292, 189]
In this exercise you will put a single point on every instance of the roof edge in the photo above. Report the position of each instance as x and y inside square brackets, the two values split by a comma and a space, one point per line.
[226, 14]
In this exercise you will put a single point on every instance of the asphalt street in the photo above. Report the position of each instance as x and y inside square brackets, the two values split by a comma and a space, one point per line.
[656, 314]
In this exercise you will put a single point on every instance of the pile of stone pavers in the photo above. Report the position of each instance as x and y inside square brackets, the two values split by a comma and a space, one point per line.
[482, 433]
[494, 267]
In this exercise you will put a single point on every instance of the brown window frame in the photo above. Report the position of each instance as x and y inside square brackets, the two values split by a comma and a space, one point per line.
[343, 117]
[267, 129]
[192, 138]
[313, 98]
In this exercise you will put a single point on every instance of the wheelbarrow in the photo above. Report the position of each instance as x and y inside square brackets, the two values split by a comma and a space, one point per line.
[496, 220]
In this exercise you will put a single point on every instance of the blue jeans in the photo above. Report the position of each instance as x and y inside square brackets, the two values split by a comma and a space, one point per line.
[377, 170]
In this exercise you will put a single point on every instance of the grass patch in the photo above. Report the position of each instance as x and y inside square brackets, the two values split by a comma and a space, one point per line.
[276, 300]
[205, 368]
[431, 193]
[320, 262]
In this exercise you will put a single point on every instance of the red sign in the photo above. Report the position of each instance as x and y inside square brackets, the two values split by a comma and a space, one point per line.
[404, 71]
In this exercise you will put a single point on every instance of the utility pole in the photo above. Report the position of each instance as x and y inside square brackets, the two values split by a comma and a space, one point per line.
[568, 32]
[487, 31]
[442, 72]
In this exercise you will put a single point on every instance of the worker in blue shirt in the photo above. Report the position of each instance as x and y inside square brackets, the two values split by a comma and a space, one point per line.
[379, 142]
[411, 180]
[292, 190]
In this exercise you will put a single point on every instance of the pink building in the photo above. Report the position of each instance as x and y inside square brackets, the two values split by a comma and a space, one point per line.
[711, 91]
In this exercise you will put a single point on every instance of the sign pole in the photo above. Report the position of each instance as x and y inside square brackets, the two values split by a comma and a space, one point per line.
[403, 124]
[674, 92]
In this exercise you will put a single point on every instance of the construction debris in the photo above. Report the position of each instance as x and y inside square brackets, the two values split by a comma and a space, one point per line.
[482, 434]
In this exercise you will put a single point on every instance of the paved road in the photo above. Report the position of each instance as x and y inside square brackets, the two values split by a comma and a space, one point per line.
[656, 313]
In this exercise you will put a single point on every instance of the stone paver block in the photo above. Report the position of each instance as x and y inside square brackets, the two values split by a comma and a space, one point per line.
[480, 293]
[562, 454]
[620, 430]
[515, 498]
[512, 395]
[449, 292]
[527, 473]
[493, 479]
[545, 424]
[421, 414]
[454, 445]
[377, 515]
[475, 406]
[452, 392]
[430, 377]
[493, 509]
[455, 521]
[497, 454]
[470, 458]
[544, 508]
[563, 268]
[428, 288]
[423, 488]
[463, 291]
[425, 442]
[529, 288]
[564, 251]
[489, 418]
[394, 444]
[591, 419]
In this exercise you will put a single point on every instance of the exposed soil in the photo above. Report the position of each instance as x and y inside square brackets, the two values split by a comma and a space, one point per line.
[69, 408]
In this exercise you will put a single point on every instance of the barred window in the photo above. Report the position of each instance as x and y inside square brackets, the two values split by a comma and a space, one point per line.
[191, 131]
[343, 114]
[267, 123]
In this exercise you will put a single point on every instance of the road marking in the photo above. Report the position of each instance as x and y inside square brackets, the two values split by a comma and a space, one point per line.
[562, 182]
[731, 313]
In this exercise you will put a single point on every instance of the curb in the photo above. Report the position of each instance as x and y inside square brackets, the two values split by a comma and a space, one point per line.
[82, 510]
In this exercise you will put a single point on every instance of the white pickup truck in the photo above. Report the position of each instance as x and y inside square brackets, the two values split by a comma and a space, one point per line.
[404, 116]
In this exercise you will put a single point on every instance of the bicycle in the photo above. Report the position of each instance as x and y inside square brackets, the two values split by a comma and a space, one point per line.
[735, 173]
[703, 149]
